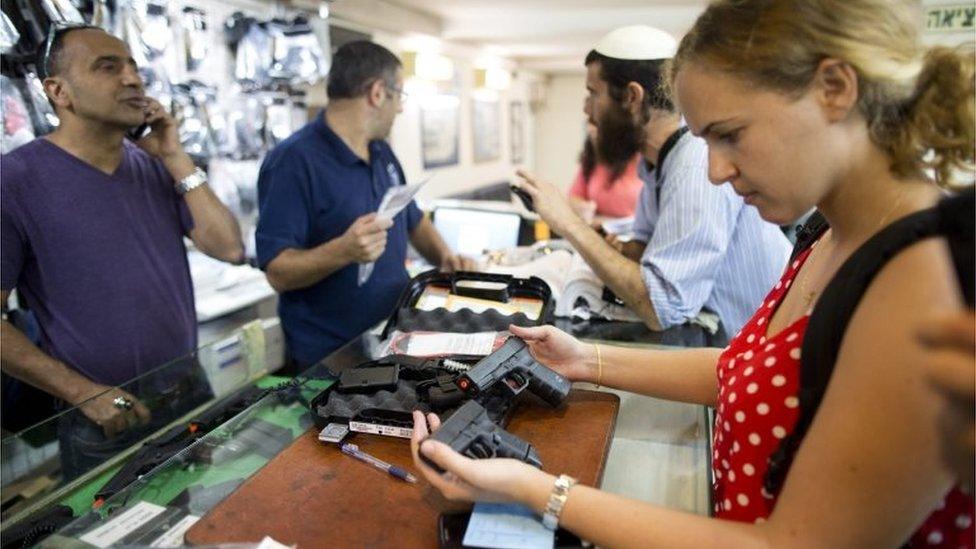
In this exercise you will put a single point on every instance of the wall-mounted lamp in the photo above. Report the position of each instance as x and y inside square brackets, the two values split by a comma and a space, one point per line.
[492, 78]
[433, 67]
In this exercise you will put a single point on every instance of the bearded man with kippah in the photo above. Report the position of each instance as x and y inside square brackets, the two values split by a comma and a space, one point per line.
[697, 247]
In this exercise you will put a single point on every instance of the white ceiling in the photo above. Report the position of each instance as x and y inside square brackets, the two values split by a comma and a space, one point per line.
[550, 36]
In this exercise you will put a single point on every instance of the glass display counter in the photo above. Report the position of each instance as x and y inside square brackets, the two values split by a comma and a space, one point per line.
[67, 467]
[659, 452]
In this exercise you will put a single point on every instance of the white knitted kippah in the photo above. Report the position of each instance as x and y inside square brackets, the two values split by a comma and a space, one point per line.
[637, 43]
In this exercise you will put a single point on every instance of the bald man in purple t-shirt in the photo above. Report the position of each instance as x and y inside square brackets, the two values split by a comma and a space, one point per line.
[92, 233]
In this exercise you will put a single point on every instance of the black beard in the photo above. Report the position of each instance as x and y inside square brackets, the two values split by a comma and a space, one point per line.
[619, 138]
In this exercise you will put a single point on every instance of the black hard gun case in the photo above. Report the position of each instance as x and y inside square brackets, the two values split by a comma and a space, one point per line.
[387, 409]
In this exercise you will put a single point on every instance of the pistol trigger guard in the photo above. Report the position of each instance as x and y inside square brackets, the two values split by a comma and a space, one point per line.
[513, 384]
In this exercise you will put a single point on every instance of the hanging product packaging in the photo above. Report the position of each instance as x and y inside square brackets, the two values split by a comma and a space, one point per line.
[235, 27]
[242, 175]
[299, 109]
[156, 83]
[131, 21]
[278, 121]
[31, 24]
[42, 114]
[224, 187]
[254, 58]
[196, 136]
[221, 133]
[156, 36]
[238, 123]
[8, 34]
[321, 28]
[62, 11]
[137, 21]
[16, 119]
[103, 16]
[195, 39]
[298, 57]
[144, 26]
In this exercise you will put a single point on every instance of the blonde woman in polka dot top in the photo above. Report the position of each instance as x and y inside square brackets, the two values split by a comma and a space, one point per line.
[803, 103]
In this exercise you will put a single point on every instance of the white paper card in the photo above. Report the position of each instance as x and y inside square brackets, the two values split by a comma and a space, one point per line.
[397, 198]
[270, 543]
[478, 344]
[174, 536]
[118, 527]
[507, 526]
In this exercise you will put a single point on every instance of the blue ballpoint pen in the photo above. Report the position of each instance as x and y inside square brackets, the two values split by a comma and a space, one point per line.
[354, 451]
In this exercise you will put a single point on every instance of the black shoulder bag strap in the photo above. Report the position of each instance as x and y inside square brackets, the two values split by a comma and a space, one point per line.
[808, 233]
[669, 144]
[957, 218]
[953, 218]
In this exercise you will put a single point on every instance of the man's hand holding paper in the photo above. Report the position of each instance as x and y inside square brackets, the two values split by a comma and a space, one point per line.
[365, 240]
[394, 201]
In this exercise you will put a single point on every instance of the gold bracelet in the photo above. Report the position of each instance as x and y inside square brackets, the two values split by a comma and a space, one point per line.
[599, 365]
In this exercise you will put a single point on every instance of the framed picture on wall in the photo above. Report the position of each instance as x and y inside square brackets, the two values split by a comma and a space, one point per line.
[516, 118]
[439, 124]
[486, 130]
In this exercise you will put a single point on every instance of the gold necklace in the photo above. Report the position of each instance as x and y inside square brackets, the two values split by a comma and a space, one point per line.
[810, 295]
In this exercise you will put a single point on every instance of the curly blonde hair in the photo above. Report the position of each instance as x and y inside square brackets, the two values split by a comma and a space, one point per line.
[918, 103]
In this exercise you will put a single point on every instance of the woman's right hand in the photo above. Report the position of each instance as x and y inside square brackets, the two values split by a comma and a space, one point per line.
[464, 479]
[558, 350]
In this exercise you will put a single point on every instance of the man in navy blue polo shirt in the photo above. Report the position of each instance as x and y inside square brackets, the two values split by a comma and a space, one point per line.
[318, 193]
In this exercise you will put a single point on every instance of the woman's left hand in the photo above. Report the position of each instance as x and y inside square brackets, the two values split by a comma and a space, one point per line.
[465, 479]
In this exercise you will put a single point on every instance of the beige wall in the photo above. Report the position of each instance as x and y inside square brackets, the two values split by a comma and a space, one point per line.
[467, 174]
[560, 129]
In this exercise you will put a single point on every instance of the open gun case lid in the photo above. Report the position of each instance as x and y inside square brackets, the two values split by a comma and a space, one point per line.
[406, 317]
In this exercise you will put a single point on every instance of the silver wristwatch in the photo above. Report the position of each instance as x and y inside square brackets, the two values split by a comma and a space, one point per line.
[192, 181]
[557, 499]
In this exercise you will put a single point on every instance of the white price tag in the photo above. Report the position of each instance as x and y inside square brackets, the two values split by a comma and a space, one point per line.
[117, 528]
[174, 536]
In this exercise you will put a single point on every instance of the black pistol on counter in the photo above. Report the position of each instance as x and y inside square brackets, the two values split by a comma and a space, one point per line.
[470, 432]
[514, 367]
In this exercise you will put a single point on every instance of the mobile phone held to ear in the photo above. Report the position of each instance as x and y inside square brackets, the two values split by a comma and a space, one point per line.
[138, 132]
